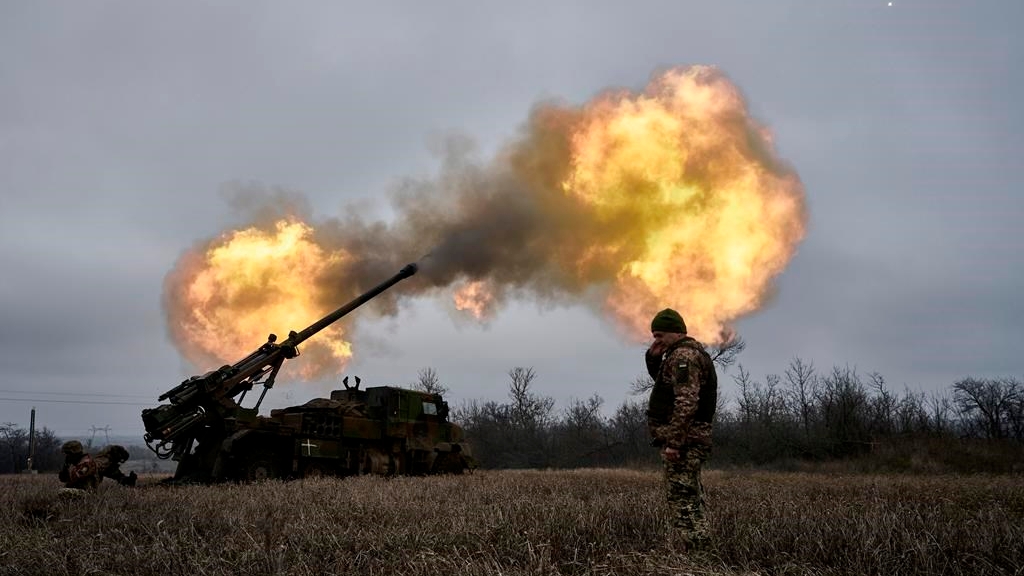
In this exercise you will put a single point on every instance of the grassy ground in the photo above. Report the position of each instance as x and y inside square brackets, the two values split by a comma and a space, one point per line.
[517, 522]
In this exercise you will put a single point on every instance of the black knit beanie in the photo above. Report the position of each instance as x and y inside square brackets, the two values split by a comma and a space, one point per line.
[668, 320]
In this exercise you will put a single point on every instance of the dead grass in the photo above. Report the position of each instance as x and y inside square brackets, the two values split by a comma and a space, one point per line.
[516, 522]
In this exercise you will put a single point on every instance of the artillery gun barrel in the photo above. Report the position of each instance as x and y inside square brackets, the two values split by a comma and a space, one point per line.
[296, 338]
[202, 400]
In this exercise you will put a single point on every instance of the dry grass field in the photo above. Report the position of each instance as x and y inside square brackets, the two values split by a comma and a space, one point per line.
[517, 522]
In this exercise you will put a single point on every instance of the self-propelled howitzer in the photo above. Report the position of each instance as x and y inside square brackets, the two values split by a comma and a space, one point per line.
[204, 415]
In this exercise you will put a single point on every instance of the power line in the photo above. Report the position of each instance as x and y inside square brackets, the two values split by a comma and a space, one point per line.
[75, 393]
[53, 401]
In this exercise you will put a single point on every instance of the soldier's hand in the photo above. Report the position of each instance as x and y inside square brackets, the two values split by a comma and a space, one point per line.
[670, 454]
[656, 349]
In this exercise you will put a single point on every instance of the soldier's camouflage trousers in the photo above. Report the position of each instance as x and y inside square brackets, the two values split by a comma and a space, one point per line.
[686, 496]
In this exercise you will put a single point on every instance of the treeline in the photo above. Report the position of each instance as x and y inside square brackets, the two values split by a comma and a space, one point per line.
[14, 450]
[975, 425]
[527, 432]
[801, 416]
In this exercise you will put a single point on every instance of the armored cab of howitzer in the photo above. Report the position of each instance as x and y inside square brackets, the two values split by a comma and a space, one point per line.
[380, 430]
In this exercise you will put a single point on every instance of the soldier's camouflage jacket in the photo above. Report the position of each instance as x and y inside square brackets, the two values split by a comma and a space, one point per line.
[81, 474]
[109, 458]
[683, 400]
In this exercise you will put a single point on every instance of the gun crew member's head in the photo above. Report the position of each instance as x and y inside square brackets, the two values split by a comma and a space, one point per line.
[72, 450]
[667, 328]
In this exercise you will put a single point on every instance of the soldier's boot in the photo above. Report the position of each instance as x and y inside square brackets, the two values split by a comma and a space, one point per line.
[687, 541]
[700, 543]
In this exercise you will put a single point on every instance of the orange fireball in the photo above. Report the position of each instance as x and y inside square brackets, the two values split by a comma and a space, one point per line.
[715, 216]
[229, 295]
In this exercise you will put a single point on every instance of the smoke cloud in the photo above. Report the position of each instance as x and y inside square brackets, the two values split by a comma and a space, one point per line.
[632, 202]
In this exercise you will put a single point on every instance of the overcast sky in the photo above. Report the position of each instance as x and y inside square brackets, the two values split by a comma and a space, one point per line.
[121, 123]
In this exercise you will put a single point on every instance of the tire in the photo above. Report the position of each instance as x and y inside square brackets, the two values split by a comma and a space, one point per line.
[260, 469]
[316, 470]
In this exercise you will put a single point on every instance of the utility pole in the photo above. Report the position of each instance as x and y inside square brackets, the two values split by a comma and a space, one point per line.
[32, 440]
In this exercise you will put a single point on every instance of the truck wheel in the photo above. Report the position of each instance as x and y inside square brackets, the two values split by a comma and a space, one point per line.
[377, 462]
[260, 469]
[314, 470]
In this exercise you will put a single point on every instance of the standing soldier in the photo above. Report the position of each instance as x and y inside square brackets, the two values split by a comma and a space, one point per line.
[679, 415]
[79, 471]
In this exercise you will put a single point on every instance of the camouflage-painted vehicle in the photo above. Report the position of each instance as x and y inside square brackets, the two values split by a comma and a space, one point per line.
[381, 430]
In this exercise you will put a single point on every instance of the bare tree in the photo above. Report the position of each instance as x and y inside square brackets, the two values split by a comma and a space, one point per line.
[724, 355]
[773, 405]
[427, 381]
[489, 426]
[940, 408]
[748, 396]
[801, 388]
[582, 416]
[1015, 413]
[641, 385]
[843, 403]
[883, 405]
[529, 409]
[911, 415]
[629, 425]
[987, 405]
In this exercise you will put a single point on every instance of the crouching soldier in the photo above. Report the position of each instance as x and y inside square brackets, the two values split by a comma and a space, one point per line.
[108, 465]
[451, 461]
[79, 471]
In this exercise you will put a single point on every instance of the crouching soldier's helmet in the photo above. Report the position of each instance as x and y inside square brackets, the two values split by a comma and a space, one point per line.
[71, 447]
